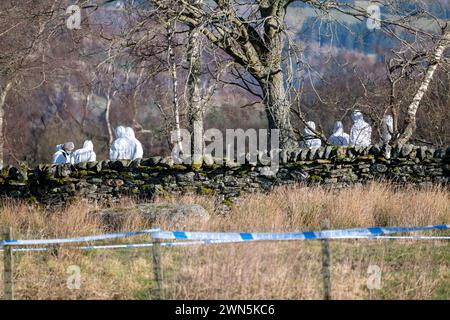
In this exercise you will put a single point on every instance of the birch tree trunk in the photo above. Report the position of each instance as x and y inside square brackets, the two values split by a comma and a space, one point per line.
[3, 94]
[173, 73]
[195, 108]
[410, 121]
[107, 118]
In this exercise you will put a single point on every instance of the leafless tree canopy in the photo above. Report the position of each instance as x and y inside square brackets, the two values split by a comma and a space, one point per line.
[160, 65]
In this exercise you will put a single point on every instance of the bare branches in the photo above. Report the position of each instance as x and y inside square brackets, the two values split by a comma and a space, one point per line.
[410, 121]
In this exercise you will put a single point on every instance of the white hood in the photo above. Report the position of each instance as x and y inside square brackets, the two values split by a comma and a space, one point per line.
[339, 137]
[120, 132]
[129, 133]
[88, 145]
[338, 128]
[357, 116]
[308, 131]
[85, 154]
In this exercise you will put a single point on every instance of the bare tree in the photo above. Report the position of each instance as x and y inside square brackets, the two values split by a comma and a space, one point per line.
[25, 29]
[254, 41]
[195, 106]
[410, 122]
[171, 61]
[253, 34]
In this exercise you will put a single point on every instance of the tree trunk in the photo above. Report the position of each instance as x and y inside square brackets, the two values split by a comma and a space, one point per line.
[3, 95]
[277, 108]
[107, 119]
[276, 101]
[195, 111]
[410, 121]
[173, 73]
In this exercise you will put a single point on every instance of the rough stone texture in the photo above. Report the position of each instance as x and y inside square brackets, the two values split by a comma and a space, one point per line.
[335, 167]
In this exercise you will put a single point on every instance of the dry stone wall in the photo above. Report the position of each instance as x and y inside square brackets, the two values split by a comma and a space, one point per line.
[335, 167]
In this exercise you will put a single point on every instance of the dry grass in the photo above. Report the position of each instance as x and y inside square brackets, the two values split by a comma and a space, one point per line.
[278, 270]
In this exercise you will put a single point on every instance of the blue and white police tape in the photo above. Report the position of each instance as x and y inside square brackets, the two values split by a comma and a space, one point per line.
[75, 240]
[311, 235]
[206, 242]
[400, 237]
[232, 236]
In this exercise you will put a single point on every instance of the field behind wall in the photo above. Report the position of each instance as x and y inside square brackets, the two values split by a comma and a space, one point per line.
[410, 269]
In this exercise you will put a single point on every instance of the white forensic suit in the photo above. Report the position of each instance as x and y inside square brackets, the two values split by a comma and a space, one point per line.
[361, 132]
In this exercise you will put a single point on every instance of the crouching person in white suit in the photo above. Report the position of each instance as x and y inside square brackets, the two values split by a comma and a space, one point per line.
[126, 146]
[339, 137]
[85, 154]
[121, 148]
[137, 151]
[63, 153]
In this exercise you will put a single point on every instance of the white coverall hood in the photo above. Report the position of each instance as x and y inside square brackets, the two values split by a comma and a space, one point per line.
[338, 128]
[86, 154]
[129, 133]
[339, 137]
[120, 132]
[88, 145]
[357, 116]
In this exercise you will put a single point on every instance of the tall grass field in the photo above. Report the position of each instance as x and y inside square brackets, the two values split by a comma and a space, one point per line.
[408, 269]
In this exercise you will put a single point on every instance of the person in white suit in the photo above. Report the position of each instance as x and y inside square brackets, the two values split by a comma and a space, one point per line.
[122, 147]
[63, 153]
[339, 137]
[137, 151]
[311, 140]
[85, 154]
[361, 132]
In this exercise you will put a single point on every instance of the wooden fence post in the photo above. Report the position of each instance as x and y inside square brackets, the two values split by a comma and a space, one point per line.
[326, 263]
[157, 267]
[7, 266]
